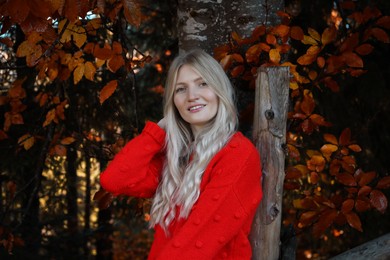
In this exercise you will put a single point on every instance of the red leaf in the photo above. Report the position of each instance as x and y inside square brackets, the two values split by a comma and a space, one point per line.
[346, 179]
[362, 205]
[354, 221]
[326, 219]
[364, 191]
[384, 22]
[380, 35]
[236, 71]
[332, 84]
[347, 206]
[378, 200]
[384, 183]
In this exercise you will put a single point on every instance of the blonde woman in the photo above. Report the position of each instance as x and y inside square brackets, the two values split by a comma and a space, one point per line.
[203, 175]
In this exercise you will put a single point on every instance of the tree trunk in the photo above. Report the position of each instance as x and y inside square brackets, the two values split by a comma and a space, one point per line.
[207, 24]
[269, 135]
[71, 198]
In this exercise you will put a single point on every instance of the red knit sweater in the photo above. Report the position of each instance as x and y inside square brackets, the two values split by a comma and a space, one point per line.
[219, 222]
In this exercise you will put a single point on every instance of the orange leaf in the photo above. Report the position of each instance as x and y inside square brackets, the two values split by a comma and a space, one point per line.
[226, 62]
[329, 148]
[316, 163]
[297, 33]
[353, 60]
[383, 183]
[306, 59]
[308, 104]
[364, 49]
[281, 30]
[309, 40]
[108, 90]
[321, 62]
[102, 53]
[271, 39]
[258, 31]
[313, 75]
[314, 178]
[253, 53]
[68, 140]
[115, 63]
[307, 218]
[293, 173]
[237, 38]
[49, 117]
[347, 206]
[346, 179]
[329, 35]
[330, 139]
[378, 200]
[354, 221]
[236, 71]
[274, 56]
[355, 148]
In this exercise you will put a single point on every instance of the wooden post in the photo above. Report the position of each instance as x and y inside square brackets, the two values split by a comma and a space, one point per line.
[269, 135]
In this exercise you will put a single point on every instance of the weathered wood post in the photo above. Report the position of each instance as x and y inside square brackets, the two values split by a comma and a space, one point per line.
[269, 135]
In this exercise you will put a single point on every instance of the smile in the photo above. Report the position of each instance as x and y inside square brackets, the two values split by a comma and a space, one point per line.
[196, 108]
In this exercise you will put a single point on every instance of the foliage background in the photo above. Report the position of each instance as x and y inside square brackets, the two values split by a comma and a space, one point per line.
[71, 98]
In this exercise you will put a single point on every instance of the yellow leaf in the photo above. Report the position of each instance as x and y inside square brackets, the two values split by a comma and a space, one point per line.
[108, 90]
[89, 71]
[274, 56]
[79, 36]
[314, 34]
[309, 40]
[294, 85]
[78, 73]
[27, 141]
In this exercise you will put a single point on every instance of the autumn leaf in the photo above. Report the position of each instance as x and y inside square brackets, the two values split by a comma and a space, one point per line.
[325, 220]
[383, 183]
[60, 150]
[297, 33]
[329, 35]
[68, 140]
[366, 178]
[27, 141]
[314, 34]
[354, 220]
[132, 11]
[49, 117]
[330, 139]
[379, 34]
[78, 73]
[347, 206]
[89, 70]
[274, 56]
[378, 200]
[108, 90]
[346, 179]
[353, 60]
[364, 49]
[281, 30]
[384, 22]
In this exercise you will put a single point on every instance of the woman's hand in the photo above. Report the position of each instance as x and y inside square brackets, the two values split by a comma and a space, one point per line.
[162, 123]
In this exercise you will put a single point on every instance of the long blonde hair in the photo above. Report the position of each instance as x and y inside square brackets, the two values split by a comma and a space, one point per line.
[181, 177]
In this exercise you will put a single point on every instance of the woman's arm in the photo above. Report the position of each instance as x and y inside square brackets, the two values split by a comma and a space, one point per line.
[224, 210]
[136, 169]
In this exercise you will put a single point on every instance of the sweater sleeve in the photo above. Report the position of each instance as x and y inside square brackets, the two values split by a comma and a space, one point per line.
[223, 212]
[136, 169]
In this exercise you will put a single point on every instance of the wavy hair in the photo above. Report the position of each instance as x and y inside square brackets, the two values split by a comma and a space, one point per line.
[181, 176]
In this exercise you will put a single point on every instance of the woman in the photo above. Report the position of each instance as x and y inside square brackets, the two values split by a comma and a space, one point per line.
[204, 176]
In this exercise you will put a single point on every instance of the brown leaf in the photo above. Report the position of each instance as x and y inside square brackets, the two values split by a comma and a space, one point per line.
[326, 219]
[132, 11]
[383, 183]
[281, 30]
[352, 60]
[307, 218]
[27, 141]
[329, 35]
[346, 179]
[364, 49]
[378, 200]
[314, 34]
[68, 140]
[379, 34]
[108, 90]
[362, 205]
[60, 150]
[271, 39]
[237, 71]
[366, 178]
[364, 191]
[384, 22]
[354, 220]
[345, 137]
[306, 59]
[347, 205]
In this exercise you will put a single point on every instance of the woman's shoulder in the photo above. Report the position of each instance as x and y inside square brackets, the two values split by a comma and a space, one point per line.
[239, 146]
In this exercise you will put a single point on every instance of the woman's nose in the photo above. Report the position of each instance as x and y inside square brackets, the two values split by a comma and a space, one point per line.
[192, 94]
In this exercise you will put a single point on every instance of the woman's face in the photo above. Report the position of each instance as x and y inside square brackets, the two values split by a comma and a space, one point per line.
[196, 102]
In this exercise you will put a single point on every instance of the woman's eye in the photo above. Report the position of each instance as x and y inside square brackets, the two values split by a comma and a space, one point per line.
[179, 90]
[203, 84]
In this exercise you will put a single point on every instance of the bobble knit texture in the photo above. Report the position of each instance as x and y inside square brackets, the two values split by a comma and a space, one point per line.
[220, 221]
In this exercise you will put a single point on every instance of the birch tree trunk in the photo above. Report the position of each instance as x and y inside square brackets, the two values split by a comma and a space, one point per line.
[206, 24]
[269, 135]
